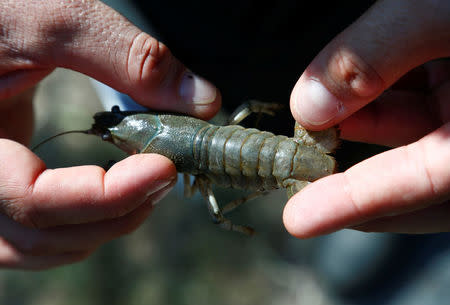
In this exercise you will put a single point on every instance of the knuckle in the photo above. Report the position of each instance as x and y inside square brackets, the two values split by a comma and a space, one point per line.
[149, 61]
[65, 13]
[17, 212]
[352, 77]
[354, 200]
[28, 215]
[31, 242]
[37, 34]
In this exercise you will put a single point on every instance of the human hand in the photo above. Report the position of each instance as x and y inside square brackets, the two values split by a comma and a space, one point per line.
[54, 217]
[406, 189]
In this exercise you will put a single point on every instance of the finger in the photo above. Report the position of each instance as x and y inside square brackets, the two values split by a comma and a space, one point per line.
[25, 248]
[16, 78]
[43, 198]
[433, 219]
[75, 238]
[92, 38]
[368, 57]
[395, 118]
[398, 181]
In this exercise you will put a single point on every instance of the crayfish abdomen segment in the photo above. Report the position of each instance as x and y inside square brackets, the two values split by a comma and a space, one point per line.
[232, 156]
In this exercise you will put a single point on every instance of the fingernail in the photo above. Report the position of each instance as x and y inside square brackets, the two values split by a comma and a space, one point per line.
[196, 90]
[315, 104]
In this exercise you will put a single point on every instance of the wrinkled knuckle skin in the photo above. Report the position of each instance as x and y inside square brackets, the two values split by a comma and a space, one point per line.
[150, 62]
[38, 26]
[351, 77]
[15, 210]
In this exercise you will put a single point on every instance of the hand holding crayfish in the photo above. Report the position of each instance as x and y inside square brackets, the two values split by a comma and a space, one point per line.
[406, 189]
[54, 217]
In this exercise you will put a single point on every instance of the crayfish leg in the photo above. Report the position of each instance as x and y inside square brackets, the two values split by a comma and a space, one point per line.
[294, 186]
[216, 214]
[235, 203]
[226, 224]
[250, 107]
[206, 190]
[324, 140]
[189, 190]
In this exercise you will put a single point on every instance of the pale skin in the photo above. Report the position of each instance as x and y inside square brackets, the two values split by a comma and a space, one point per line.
[55, 217]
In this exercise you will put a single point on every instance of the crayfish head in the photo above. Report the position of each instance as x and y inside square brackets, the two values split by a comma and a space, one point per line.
[131, 131]
[103, 121]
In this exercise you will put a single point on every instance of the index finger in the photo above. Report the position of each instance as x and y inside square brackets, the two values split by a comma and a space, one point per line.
[398, 181]
[39, 197]
[92, 38]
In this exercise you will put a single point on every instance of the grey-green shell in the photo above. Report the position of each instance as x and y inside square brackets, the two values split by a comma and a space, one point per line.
[229, 156]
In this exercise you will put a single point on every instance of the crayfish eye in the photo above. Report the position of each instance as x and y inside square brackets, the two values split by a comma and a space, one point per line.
[115, 109]
[107, 136]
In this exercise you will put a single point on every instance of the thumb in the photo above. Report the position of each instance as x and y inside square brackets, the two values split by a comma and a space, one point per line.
[91, 38]
[390, 39]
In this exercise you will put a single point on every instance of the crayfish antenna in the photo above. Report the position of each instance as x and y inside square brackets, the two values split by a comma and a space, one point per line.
[60, 134]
